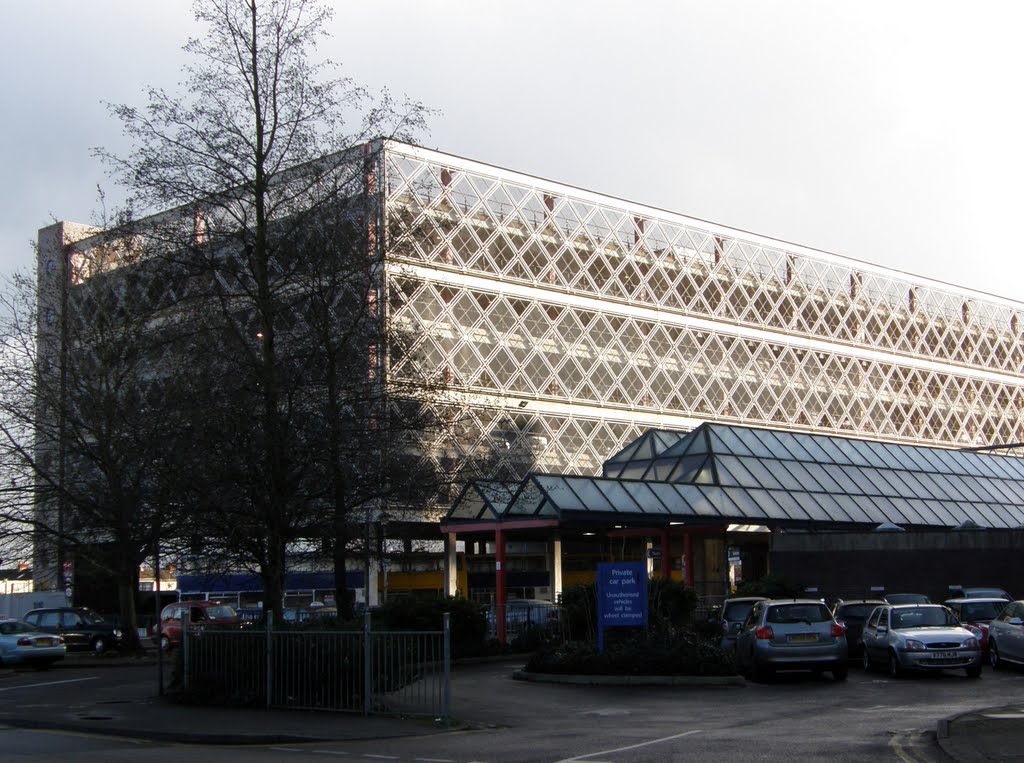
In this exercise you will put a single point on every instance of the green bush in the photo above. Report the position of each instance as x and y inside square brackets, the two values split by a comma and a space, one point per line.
[772, 587]
[653, 653]
[467, 622]
[579, 612]
[670, 605]
[534, 638]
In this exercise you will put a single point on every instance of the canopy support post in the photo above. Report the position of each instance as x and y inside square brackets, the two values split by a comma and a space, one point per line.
[666, 556]
[556, 568]
[451, 566]
[688, 558]
[500, 597]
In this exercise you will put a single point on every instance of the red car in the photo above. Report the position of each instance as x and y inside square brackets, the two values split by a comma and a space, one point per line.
[200, 613]
[976, 614]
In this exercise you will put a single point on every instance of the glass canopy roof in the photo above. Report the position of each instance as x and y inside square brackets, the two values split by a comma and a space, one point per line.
[720, 474]
[483, 499]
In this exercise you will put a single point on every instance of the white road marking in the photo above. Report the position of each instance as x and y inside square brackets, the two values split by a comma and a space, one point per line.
[49, 683]
[341, 753]
[630, 747]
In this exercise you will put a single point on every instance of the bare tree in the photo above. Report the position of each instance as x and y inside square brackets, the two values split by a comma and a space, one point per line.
[86, 411]
[254, 156]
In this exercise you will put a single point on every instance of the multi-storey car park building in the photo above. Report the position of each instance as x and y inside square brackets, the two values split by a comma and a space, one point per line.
[577, 321]
[567, 323]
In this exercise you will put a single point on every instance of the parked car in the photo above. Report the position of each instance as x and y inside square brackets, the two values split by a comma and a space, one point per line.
[201, 614]
[1006, 636]
[919, 637]
[21, 643]
[852, 614]
[732, 615]
[791, 634]
[521, 614]
[80, 627]
[906, 598]
[978, 592]
[976, 614]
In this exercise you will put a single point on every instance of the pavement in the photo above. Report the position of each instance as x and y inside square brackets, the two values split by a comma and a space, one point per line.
[995, 733]
[990, 734]
[138, 712]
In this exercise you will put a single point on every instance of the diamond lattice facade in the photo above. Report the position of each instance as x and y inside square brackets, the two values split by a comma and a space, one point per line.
[570, 323]
[564, 324]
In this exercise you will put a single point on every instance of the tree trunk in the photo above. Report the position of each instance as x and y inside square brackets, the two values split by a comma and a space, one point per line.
[127, 585]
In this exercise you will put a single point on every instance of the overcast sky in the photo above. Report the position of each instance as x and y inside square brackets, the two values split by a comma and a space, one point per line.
[890, 132]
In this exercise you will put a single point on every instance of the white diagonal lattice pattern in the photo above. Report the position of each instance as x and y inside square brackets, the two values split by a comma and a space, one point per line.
[609, 318]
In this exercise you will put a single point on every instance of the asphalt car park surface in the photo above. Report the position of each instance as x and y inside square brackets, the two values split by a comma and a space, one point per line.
[793, 716]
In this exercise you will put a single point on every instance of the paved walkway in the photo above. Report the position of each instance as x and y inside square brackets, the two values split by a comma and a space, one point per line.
[136, 711]
[995, 734]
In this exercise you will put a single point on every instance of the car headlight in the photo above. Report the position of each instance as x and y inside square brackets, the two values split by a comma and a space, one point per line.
[971, 643]
[913, 645]
[117, 633]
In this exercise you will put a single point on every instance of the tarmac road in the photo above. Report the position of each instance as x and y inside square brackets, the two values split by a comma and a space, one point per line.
[797, 717]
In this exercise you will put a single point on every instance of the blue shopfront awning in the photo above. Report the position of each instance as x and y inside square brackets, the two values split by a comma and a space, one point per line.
[246, 582]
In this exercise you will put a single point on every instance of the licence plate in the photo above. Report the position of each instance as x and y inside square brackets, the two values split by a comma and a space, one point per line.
[944, 655]
[802, 637]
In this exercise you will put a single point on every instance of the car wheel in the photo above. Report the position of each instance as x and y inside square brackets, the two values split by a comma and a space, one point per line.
[993, 656]
[839, 673]
[895, 669]
[974, 671]
[99, 645]
[741, 669]
[865, 661]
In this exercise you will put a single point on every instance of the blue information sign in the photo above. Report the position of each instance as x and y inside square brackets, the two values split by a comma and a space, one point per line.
[621, 596]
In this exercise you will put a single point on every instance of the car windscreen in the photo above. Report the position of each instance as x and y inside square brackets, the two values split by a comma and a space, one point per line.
[736, 611]
[90, 618]
[799, 613]
[855, 611]
[922, 617]
[220, 612]
[907, 598]
[981, 610]
[983, 593]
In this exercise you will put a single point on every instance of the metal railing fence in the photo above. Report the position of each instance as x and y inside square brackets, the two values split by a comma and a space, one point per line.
[367, 671]
[522, 615]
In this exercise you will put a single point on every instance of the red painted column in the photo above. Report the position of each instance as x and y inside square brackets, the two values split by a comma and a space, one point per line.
[688, 557]
[666, 555]
[500, 597]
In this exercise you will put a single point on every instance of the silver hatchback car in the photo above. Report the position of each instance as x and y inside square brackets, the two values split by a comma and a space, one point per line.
[791, 634]
[919, 637]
